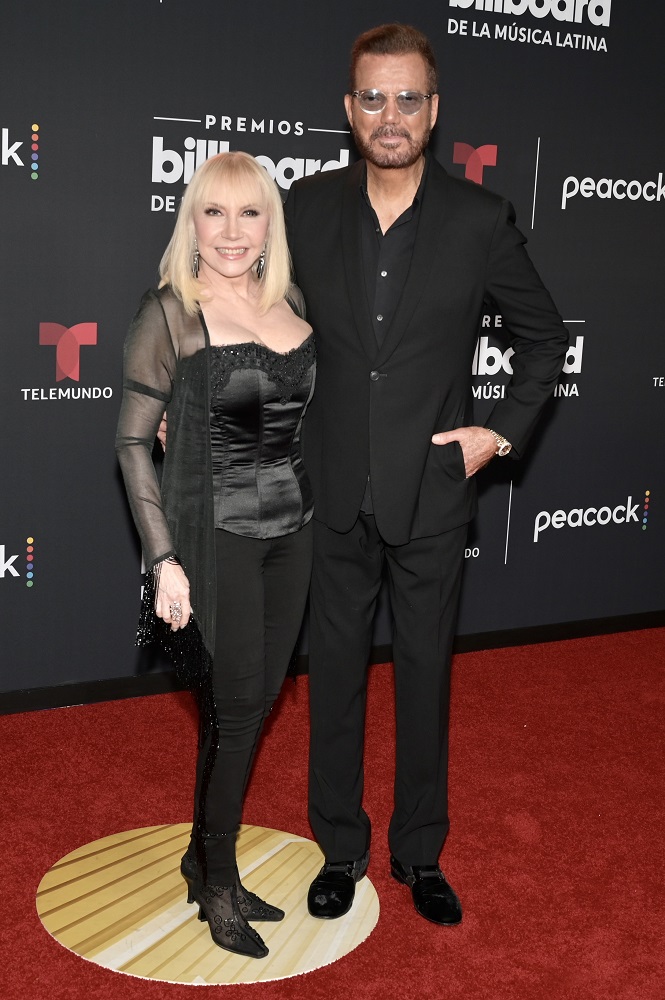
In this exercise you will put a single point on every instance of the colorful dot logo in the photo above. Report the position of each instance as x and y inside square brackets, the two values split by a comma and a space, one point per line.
[35, 152]
[645, 512]
[30, 561]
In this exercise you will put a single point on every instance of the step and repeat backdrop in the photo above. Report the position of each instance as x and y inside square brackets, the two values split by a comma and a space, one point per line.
[107, 106]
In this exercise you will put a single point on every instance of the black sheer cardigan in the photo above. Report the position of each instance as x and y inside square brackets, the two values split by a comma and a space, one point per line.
[167, 367]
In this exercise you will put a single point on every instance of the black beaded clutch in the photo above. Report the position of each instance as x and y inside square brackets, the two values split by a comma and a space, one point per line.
[184, 646]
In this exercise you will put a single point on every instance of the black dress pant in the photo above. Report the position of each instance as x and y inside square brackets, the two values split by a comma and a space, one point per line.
[424, 582]
[262, 589]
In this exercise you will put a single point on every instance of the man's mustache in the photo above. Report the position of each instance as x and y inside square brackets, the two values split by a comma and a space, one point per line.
[390, 132]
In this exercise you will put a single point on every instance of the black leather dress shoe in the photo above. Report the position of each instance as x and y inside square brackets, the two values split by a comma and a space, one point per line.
[331, 893]
[433, 897]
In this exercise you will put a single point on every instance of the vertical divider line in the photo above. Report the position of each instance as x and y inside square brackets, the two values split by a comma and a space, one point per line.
[535, 185]
[510, 507]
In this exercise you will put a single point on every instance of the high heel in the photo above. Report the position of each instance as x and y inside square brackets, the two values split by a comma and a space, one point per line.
[218, 904]
[251, 906]
[190, 872]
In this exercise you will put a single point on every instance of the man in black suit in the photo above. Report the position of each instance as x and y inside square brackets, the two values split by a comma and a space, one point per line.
[396, 260]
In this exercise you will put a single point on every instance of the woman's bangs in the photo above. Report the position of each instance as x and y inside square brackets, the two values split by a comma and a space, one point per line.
[233, 178]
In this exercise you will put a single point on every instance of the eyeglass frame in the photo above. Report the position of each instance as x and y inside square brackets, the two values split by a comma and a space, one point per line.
[373, 90]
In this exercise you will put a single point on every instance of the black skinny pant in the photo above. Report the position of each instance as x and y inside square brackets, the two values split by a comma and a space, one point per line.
[262, 588]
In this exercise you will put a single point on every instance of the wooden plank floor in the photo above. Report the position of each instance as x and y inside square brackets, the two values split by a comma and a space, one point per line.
[121, 902]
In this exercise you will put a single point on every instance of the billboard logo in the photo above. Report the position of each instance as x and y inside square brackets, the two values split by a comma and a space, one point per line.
[9, 151]
[490, 360]
[7, 566]
[598, 11]
[578, 518]
[474, 160]
[67, 342]
[170, 166]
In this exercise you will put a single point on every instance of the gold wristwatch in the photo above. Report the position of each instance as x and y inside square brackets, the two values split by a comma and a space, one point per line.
[503, 446]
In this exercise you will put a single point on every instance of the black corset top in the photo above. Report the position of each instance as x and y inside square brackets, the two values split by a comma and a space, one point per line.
[257, 401]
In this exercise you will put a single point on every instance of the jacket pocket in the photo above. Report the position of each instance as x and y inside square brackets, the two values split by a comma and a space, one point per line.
[450, 458]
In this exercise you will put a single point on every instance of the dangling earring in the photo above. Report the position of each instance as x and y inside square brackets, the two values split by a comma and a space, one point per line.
[195, 260]
[261, 264]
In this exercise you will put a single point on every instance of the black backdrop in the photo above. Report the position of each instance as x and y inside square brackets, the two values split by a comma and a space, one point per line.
[118, 97]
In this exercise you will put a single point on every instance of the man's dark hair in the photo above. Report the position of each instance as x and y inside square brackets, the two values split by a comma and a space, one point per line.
[394, 40]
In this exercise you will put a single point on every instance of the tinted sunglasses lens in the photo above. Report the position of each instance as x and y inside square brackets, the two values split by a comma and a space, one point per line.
[410, 102]
[372, 101]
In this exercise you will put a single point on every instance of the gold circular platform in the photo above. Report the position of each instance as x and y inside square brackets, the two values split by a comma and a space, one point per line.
[121, 902]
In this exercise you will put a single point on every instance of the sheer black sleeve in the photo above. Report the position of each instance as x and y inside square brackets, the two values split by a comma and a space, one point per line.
[149, 368]
[296, 300]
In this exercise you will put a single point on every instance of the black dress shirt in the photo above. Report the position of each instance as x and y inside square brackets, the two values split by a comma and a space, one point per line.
[386, 260]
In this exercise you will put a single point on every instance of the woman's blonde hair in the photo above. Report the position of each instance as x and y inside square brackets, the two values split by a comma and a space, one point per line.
[247, 179]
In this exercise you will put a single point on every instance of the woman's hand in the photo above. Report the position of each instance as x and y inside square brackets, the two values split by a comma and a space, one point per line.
[172, 599]
[161, 431]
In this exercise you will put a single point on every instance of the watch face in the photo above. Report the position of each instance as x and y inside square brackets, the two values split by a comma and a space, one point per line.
[504, 449]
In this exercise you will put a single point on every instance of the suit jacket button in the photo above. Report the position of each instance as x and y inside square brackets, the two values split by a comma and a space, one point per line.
[374, 376]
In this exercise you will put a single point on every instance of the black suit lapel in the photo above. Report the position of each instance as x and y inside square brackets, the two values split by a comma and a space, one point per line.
[353, 259]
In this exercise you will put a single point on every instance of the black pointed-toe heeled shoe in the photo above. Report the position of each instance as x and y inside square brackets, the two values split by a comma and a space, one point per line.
[251, 906]
[218, 904]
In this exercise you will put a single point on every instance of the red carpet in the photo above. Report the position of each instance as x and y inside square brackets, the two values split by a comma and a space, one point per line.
[556, 848]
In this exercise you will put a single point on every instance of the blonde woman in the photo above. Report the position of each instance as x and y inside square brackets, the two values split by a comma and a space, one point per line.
[223, 346]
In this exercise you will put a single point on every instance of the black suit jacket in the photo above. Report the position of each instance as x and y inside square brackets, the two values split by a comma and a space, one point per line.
[374, 411]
